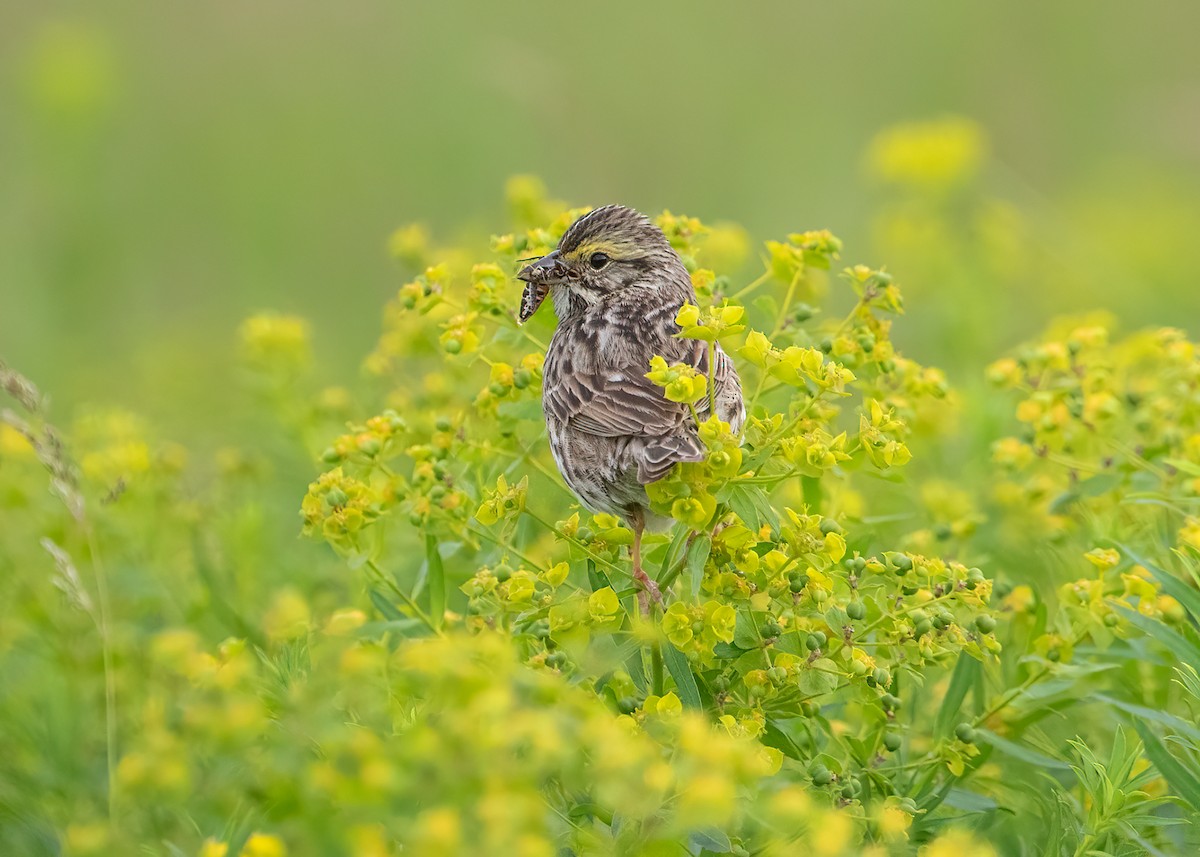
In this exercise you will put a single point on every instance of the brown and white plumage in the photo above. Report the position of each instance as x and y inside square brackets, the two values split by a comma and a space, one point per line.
[617, 285]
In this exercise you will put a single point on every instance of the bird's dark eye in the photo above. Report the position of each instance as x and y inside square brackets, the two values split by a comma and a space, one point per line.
[598, 260]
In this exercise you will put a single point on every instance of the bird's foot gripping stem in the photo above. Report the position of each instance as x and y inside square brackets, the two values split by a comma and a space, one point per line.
[647, 589]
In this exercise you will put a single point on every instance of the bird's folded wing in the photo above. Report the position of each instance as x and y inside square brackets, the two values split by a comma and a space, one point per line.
[615, 404]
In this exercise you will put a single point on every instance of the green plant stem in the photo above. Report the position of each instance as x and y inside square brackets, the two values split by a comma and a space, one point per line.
[766, 275]
[712, 378]
[500, 543]
[573, 541]
[412, 605]
[110, 687]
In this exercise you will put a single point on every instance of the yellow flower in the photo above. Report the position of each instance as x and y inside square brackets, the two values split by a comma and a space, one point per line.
[264, 845]
[1102, 558]
[957, 843]
[1190, 533]
[274, 341]
[288, 616]
[212, 848]
[603, 605]
[13, 443]
[932, 155]
[680, 382]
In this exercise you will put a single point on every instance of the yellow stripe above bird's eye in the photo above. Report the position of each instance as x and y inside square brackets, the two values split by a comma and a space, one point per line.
[613, 249]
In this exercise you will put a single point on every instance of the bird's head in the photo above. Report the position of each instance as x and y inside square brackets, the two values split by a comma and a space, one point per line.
[604, 251]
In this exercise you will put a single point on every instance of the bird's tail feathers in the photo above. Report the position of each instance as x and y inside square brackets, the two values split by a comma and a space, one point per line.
[661, 454]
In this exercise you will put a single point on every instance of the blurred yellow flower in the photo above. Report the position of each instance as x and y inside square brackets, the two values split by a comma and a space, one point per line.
[263, 845]
[928, 155]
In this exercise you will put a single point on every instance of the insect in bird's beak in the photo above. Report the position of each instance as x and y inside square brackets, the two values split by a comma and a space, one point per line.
[531, 299]
[538, 277]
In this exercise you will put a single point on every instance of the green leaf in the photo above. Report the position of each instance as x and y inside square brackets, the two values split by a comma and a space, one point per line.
[1188, 467]
[728, 650]
[637, 670]
[711, 839]
[1020, 752]
[751, 504]
[697, 556]
[437, 581]
[1163, 718]
[681, 671]
[969, 801]
[1183, 648]
[597, 579]
[1176, 588]
[961, 680]
[404, 627]
[1183, 782]
[819, 678]
[387, 608]
[775, 736]
[745, 635]
[673, 550]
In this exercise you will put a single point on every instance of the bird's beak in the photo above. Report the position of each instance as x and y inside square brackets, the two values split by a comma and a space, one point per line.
[545, 271]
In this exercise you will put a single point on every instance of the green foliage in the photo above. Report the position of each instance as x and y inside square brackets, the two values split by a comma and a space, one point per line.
[854, 654]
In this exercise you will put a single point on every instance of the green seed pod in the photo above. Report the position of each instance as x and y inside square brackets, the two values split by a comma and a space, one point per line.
[720, 684]
[772, 628]
[821, 638]
[797, 584]
[443, 424]
[503, 571]
[889, 702]
[812, 643]
[828, 525]
[986, 624]
[856, 610]
[370, 446]
[336, 498]
[522, 378]
[809, 708]
[627, 705]
[452, 346]
[923, 628]
[331, 456]
[882, 676]
[778, 675]
[556, 659]
[965, 733]
[892, 741]
[821, 776]
[584, 534]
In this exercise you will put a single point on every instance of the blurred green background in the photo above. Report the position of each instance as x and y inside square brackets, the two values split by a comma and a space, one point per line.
[168, 168]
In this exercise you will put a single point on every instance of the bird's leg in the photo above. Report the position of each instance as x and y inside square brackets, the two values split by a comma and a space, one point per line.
[648, 588]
